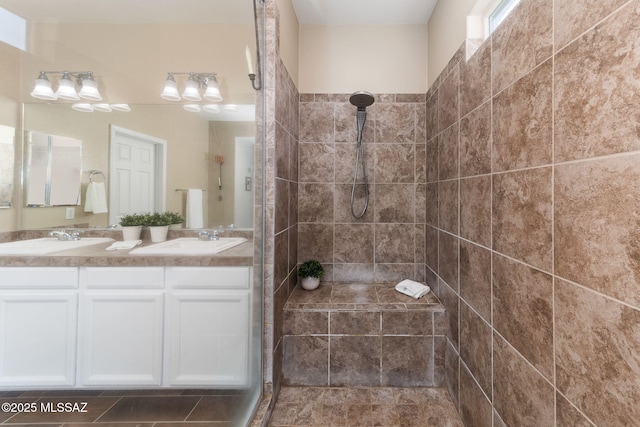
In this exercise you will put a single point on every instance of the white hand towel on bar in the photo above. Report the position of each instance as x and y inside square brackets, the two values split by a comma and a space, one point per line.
[88, 200]
[413, 289]
[194, 208]
[99, 194]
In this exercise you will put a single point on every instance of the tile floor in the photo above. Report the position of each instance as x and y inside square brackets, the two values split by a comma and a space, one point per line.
[139, 408]
[364, 406]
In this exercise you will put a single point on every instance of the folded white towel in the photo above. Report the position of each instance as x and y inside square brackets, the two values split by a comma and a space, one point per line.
[413, 289]
[127, 244]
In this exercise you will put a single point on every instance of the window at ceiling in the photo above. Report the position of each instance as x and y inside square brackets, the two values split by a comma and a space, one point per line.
[13, 29]
[500, 12]
[484, 18]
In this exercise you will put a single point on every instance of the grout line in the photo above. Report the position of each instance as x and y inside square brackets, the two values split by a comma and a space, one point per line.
[108, 409]
[192, 409]
[554, 367]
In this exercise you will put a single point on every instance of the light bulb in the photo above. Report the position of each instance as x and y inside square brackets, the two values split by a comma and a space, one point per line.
[211, 108]
[103, 108]
[193, 108]
[170, 91]
[213, 91]
[67, 88]
[89, 89]
[191, 92]
[42, 89]
[83, 107]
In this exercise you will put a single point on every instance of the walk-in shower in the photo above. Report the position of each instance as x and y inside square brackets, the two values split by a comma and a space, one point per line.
[361, 100]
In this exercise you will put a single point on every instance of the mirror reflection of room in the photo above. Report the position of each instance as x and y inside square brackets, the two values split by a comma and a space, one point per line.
[7, 159]
[128, 80]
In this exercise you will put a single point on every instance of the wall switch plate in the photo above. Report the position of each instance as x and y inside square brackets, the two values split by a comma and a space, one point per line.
[70, 213]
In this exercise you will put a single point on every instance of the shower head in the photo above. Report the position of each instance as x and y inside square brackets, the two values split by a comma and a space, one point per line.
[361, 99]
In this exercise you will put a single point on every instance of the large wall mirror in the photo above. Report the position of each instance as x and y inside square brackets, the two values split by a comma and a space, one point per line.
[7, 160]
[206, 148]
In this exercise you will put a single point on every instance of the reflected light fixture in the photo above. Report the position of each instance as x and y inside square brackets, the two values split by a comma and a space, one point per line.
[195, 82]
[193, 108]
[211, 108]
[66, 86]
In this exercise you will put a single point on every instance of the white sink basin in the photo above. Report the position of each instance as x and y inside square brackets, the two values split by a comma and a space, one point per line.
[190, 246]
[48, 245]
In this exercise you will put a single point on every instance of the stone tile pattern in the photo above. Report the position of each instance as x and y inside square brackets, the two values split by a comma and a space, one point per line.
[281, 123]
[360, 406]
[532, 229]
[353, 334]
[143, 408]
[387, 243]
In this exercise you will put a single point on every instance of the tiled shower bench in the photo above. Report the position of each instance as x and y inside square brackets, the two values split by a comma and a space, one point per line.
[358, 334]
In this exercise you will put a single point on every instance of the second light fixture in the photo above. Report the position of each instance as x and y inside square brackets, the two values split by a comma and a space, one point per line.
[195, 82]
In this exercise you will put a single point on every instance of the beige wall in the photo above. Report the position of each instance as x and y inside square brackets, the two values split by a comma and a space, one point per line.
[380, 59]
[447, 31]
[289, 38]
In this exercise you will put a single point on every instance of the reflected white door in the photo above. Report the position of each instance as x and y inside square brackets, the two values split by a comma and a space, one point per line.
[136, 173]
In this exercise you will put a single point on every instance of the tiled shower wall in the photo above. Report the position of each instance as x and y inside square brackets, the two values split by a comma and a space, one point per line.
[281, 188]
[534, 242]
[387, 243]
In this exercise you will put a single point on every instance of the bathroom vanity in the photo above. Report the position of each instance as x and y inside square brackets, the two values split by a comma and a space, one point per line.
[98, 325]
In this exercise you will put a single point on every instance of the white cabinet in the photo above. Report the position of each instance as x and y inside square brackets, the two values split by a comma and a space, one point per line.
[88, 327]
[38, 326]
[121, 326]
[209, 338]
[208, 328]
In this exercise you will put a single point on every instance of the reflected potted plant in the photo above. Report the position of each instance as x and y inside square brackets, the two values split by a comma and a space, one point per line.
[176, 220]
[311, 271]
[132, 225]
[158, 224]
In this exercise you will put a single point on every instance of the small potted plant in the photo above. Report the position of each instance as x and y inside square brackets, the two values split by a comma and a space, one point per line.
[176, 220]
[132, 225]
[158, 224]
[311, 271]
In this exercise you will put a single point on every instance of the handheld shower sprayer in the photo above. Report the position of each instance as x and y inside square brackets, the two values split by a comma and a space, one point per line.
[361, 100]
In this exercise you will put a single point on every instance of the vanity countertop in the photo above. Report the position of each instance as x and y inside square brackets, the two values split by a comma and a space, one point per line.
[98, 256]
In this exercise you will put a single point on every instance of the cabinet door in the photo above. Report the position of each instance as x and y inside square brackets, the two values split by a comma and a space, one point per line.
[38, 339]
[122, 339]
[209, 339]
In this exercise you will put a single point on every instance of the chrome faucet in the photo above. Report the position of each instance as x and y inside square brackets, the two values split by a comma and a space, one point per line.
[211, 235]
[64, 235]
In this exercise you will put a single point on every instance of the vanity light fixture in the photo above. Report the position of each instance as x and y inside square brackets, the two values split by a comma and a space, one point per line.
[195, 82]
[103, 108]
[67, 87]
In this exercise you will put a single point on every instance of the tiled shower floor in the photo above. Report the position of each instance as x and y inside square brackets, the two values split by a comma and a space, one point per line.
[139, 408]
[364, 406]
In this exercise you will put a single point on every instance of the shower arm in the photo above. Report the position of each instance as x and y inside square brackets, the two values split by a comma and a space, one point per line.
[252, 76]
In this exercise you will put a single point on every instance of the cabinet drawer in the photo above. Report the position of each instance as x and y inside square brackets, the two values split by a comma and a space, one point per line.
[209, 277]
[38, 277]
[123, 277]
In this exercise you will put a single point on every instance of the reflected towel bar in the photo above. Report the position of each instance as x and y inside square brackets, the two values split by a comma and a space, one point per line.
[96, 172]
